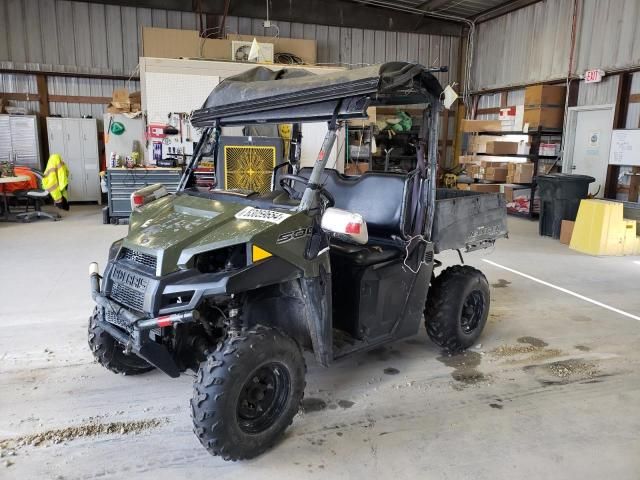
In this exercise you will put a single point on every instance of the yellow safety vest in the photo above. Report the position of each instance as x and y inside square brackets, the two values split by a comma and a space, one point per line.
[55, 178]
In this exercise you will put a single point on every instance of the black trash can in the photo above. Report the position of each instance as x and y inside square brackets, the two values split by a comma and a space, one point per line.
[560, 195]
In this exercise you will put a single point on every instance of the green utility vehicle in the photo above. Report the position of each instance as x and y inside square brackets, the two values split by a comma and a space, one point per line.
[235, 285]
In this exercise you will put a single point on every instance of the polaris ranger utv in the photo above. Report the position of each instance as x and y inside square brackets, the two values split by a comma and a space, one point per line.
[234, 285]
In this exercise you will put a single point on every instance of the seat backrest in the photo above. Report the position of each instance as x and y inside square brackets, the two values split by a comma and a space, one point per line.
[381, 198]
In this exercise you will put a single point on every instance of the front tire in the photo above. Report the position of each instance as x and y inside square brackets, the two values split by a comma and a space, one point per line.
[457, 307]
[247, 392]
[110, 354]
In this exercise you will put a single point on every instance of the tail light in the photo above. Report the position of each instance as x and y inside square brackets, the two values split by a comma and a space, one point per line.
[147, 195]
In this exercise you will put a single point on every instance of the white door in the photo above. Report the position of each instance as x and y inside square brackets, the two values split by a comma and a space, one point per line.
[588, 142]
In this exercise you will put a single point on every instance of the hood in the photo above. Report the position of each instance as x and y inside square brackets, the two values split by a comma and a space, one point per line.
[177, 227]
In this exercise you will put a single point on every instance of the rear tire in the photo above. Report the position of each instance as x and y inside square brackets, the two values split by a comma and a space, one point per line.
[110, 354]
[457, 307]
[247, 392]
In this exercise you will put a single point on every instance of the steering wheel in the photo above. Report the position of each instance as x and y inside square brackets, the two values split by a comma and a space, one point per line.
[329, 201]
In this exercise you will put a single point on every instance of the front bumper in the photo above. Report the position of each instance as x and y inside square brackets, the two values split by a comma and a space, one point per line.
[133, 330]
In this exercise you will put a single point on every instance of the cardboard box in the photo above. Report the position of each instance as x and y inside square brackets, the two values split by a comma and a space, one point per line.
[481, 125]
[480, 187]
[485, 187]
[469, 160]
[512, 191]
[544, 117]
[124, 102]
[356, 168]
[566, 230]
[473, 170]
[490, 163]
[520, 172]
[175, 43]
[542, 95]
[170, 43]
[502, 148]
[494, 174]
[478, 143]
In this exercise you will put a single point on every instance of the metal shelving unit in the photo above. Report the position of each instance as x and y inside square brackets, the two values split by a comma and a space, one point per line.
[536, 137]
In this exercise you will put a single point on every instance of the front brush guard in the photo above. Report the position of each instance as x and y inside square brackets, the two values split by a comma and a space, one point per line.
[137, 340]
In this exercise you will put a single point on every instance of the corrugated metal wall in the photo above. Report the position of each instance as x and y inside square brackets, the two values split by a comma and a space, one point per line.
[78, 37]
[603, 93]
[529, 45]
[533, 44]
[609, 35]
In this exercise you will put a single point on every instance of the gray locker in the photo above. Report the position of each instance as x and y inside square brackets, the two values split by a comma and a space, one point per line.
[76, 140]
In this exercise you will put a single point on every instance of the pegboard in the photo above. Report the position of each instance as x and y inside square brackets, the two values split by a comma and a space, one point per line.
[175, 92]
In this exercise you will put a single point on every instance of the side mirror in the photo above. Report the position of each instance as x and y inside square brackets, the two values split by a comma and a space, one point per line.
[345, 225]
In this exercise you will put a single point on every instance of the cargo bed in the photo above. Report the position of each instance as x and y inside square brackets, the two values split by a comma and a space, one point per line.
[468, 220]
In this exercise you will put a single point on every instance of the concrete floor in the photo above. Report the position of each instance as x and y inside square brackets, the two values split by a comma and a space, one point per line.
[562, 403]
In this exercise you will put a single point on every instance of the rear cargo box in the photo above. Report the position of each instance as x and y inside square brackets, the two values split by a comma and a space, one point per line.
[468, 220]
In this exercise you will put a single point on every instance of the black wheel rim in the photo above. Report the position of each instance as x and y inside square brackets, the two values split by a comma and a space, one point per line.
[263, 397]
[472, 311]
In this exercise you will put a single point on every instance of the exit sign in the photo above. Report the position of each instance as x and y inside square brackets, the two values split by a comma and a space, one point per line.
[593, 76]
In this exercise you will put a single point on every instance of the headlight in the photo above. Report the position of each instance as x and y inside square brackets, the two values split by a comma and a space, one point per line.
[228, 258]
[114, 249]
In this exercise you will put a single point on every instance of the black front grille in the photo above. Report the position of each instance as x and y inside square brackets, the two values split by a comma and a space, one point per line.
[139, 258]
[127, 296]
[112, 317]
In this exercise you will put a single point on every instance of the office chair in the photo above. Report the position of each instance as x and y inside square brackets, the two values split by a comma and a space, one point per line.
[38, 196]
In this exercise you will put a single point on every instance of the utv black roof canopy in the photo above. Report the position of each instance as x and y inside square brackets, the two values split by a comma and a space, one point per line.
[262, 95]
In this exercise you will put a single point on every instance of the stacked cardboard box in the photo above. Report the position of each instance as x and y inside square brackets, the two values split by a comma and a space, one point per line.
[520, 172]
[487, 171]
[544, 106]
[480, 187]
[512, 191]
[481, 125]
[124, 102]
[479, 143]
[502, 148]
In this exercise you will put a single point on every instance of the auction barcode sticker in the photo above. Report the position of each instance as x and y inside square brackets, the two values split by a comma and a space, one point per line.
[252, 213]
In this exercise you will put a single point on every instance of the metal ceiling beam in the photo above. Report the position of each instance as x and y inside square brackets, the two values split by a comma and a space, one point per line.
[431, 5]
[341, 13]
[503, 9]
